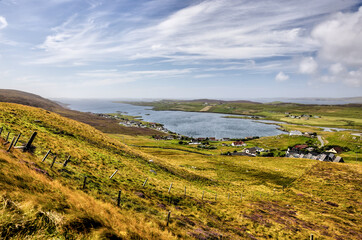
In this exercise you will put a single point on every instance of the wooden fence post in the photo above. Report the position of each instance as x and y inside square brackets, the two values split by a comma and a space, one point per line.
[46, 155]
[28, 145]
[11, 144]
[84, 182]
[17, 139]
[215, 196]
[55, 157]
[185, 191]
[66, 162]
[119, 198]
[144, 183]
[113, 174]
[168, 218]
[311, 237]
[1, 130]
[169, 189]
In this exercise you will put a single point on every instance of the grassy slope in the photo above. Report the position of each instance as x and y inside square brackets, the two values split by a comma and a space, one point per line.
[31, 199]
[347, 116]
[103, 124]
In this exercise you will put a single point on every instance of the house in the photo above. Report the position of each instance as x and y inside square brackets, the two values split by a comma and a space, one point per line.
[212, 139]
[170, 137]
[238, 144]
[295, 133]
[253, 151]
[250, 151]
[226, 139]
[300, 147]
[335, 150]
[258, 149]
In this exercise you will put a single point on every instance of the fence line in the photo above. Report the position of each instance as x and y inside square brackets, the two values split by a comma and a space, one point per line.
[31, 139]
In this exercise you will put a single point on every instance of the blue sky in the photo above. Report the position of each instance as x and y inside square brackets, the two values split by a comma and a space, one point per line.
[229, 49]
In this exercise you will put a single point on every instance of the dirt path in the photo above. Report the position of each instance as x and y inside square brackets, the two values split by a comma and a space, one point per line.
[205, 109]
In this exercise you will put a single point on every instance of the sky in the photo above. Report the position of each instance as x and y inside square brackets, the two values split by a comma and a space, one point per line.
[182, 49]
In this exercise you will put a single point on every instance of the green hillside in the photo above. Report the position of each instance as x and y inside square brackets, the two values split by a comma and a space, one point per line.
[342, 116]
[226, 197]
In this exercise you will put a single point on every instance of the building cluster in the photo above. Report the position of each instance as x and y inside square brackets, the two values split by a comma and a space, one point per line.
[299, 133]
[303, 116]
[302, 151]
[250, 152]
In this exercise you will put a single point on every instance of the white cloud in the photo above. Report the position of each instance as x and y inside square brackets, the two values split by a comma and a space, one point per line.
[340, 38]
[354, 78]
[220, 29]
[338, 73]
[340, 52]
[281, 77]
[336, 68]
[3, 22]
[112, 76]
[308, 66]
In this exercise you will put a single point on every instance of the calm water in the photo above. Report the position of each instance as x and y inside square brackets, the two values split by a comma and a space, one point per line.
[193, 124]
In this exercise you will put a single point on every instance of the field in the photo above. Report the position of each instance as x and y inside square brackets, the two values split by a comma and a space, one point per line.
[343, 116]
[226, 197]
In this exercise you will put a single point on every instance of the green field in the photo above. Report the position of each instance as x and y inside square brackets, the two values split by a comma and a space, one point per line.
[232, 197]
[342, 116]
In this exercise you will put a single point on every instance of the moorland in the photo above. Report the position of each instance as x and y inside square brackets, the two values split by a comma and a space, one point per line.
[168, 193]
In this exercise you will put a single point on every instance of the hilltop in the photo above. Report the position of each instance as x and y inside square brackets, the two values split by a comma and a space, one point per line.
[101, 123]
[226, 197]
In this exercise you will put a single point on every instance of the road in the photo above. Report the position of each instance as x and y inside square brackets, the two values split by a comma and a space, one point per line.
[321, 140]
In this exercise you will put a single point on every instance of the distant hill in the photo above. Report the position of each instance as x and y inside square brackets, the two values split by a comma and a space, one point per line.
[101, 123]
[314, 101]
[29, 99]
[214, 101]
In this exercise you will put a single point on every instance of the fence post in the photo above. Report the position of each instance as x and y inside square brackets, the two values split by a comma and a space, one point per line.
[169, 189]
[66, 162]
[11, 144]
[113, 174]
[17, 139]
[55, 157]
[144, 183]
[185, 191]
[1, 130]
[28, 145]
[215, 196]
[84, 182]
[46, 155]
[311, 237]
[168, 218]
[119, 198]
